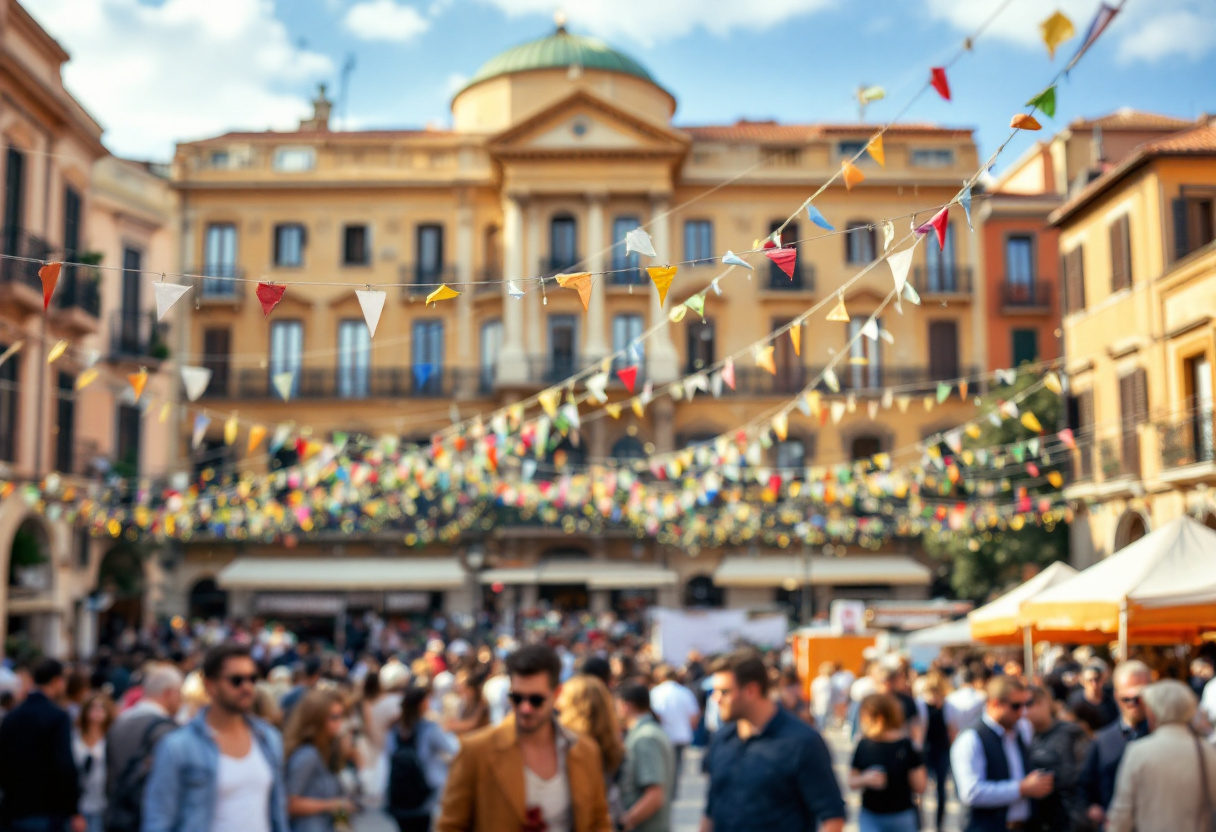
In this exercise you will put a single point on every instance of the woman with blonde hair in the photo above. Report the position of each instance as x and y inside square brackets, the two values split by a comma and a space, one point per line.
[585, 706]
[312, 747]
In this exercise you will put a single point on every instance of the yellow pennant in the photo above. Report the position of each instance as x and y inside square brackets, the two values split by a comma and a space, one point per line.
[1031, 422]
[764, 358]
[638, 410]
[796, 337]
[580, 282]
[1056, 29]
[973, 431]
[256, 434]
[1055, 478]
[781, 426]
[230, 428]
[548, 400]
[56, 351]
[903, 402]
[1052, 382]
[662, 277]
[874, 148]
[677, 313]
[852, 174]
[614, 410]
[86, 378]
[138, 380]
[444, 292]
[165, 409]
[928, 400]
[839, 313]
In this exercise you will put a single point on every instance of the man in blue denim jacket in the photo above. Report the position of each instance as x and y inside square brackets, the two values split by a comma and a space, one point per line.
[225, 769]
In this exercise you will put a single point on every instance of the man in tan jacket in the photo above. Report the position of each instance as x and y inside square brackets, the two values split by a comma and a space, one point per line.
[1161, 785]
[528, 774]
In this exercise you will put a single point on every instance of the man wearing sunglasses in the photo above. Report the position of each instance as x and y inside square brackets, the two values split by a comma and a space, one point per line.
[989, 763]
[225, 769]
[1098, 775]
[527, 774]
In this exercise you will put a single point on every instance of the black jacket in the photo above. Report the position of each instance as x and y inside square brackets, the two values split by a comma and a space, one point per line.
[38, 775]
[1102, 762]
[1060, 750]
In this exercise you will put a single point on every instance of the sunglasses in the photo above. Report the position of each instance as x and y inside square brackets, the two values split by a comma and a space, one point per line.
[533, 699]
[1130, 700]
[238, 680]
[1017, 706]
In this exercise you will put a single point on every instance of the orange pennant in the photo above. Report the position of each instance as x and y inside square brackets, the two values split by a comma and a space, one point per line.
[962, 390]
[1023, 121]
[796, 337]
[764, 358]
[874, 148]
[256, 434]
[662, 277]
[852, 174]
[50, 276]
[580, 281]
[138, 380]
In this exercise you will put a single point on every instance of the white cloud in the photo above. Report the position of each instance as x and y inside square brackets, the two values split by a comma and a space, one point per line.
[456, 82]
[384, 20]
[648, 21]
[1147, 31]
[181, 70]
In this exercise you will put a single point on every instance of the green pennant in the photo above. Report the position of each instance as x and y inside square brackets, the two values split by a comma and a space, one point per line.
[943, 392]
[697, 304]
[1045, 102]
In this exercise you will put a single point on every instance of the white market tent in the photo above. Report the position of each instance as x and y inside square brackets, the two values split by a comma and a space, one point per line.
[998, 621]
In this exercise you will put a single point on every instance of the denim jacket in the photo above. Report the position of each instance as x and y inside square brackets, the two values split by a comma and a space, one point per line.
[180, 792]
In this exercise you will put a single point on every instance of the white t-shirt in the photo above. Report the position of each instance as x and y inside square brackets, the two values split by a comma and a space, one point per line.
[551, 796]
[495, 693]
[242, 793]
[822, 694]
[675, 706]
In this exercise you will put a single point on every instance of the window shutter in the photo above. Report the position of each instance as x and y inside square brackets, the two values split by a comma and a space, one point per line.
[1181, 243]
[1074, 267]
[216, 348]
[1085, 431]
[1120, 268]
[1140, 396]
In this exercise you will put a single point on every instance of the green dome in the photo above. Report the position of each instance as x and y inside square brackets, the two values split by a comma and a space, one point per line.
[560, 49]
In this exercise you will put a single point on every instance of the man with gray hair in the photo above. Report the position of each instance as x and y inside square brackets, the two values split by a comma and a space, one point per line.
[1097, 780]
[1168, 779]
[130, 743]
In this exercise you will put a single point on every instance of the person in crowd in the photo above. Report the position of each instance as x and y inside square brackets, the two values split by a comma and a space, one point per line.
[767, 769]
[38, 778]
[89, 749]
[224, 769]
[1093, 703]
[842, 681]
[990, 765]
[598, 667]
[822, 695]
[417, 753]
[312, 746]
[892, 679]
[1167, 780]
[1202, 672]
[649, 772]
[965, 706]
[266, 707]
[529, 772]
[677, 710]
[129, 745]
[394, 678]
[1101, 766]
[1059, 748]
[790, 694]
[1207, 704]
[585, 707]
[496, 688]
[887, 768]
[472, 712]
[307, 677]
[934, 688]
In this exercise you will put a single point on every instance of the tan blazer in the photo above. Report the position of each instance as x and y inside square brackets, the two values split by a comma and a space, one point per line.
[485, 791]
[1159, 788]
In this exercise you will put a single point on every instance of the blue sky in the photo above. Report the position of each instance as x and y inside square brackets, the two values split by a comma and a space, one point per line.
[157, 71]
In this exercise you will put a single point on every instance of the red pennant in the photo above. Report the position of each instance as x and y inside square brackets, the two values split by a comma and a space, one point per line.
[939, 82]
[784, 258]
[269, 295]
[492, 457]
[301, 447]
[628, 375]
[50, 276]
[937, 225]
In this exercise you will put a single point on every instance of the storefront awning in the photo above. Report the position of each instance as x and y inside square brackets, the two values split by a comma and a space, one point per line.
[594, 574]
[857, 570]
[321, 574]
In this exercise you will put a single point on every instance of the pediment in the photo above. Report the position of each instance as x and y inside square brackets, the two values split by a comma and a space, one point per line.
[584, 124]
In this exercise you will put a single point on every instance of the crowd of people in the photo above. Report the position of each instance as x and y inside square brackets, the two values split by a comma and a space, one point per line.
[578, 727]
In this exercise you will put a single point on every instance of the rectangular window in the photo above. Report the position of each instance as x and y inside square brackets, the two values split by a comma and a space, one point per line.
[65, 436]
[1120, 254]
[849, 148]
[430, 254]
[217, 357]
[942, 275]
[286, 351]
[1194, 224]
[127, 334]
[9, 389]
[563, 347]
[699, 240]
[130, 424]
[356, 245]
[1019, 260]
[865, 358]
[859, 243]
[428, 357]
[1133, 412]
[289, 239]
[626, 330]
[294, 159]
[937, 157]
[1074, 279]
[354, 359]
[1085, 432]
[563, 242]
[14, 200]
[791, 372]
[219, 259]
[219, 159]
[491, 346]
[700, 345]
[71, 222]
[943, 350]
[625, 266]
[1025, 346]
[790, 456]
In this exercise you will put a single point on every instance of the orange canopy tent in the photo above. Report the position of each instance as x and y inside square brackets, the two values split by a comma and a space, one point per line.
[998, 621]
[1160, 589]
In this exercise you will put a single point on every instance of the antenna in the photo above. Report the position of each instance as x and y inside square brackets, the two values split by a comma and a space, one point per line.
[344, 86]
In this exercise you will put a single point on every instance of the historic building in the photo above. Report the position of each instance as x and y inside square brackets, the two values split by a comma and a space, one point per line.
[1139, 278]
[65, 199]
[557, 149]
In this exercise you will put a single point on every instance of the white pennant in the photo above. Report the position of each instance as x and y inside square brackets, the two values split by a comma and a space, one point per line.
[638, 240]
[90, 357]
[597, 386]
[870, 329]
[690, 388]
[513, 290]
[570, 412]
[888, 235]
[371, 301]
[900, 262]
[195, 380]
[201, 422]
[838, 409]
[888, 399]
[281, 432]
[872, 409]
[167, 294]
[283, 383]
[715, 385]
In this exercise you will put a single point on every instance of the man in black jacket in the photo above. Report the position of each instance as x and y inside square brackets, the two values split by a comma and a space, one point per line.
[38, 775]
[1106, 751]
[1058, 748]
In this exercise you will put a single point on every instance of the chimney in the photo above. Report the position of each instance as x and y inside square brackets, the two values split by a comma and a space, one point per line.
[321, 106]
[1097, 148]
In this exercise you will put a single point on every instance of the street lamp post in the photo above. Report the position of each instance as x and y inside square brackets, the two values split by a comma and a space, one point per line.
[474, 560]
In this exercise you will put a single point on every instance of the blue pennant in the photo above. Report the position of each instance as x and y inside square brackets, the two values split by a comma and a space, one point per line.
[818, 218]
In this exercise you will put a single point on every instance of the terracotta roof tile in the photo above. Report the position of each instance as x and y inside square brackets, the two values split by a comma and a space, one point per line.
[1129, 119]
[771, 131]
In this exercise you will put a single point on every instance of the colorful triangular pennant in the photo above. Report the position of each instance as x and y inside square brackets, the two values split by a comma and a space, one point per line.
[48, 273]
[371, 301]
[578, 281]
[662, 277]
[195, 381]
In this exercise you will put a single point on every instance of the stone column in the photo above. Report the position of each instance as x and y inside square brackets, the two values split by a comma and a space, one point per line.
[535, 328]
[512, 366]
[662, 361]
[596, 344]
[466, 338]
[662, 413]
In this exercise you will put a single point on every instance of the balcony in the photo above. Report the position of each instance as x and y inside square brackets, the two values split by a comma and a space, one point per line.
[222, 291]
[1188, 440]
[949, 281]
[551, 265]
[755, 381]
[803, 279]
[1033, 298]
[422, 279]
[1119, 457]
[869, 379]
[489, 282]
[320, 383]
[19, 279]
[623, 274]
[137, 337]
[78, 289]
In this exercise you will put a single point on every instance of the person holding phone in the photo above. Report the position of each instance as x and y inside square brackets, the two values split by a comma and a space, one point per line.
[887, 768]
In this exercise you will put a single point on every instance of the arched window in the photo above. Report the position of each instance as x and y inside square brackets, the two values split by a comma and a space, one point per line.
[1132, 527]
[865, 446]
[701, 591]
[207, 600]
[628, 447]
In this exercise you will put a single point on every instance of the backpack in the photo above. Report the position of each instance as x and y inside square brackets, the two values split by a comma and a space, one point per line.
[124, 810]
[408, 789]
